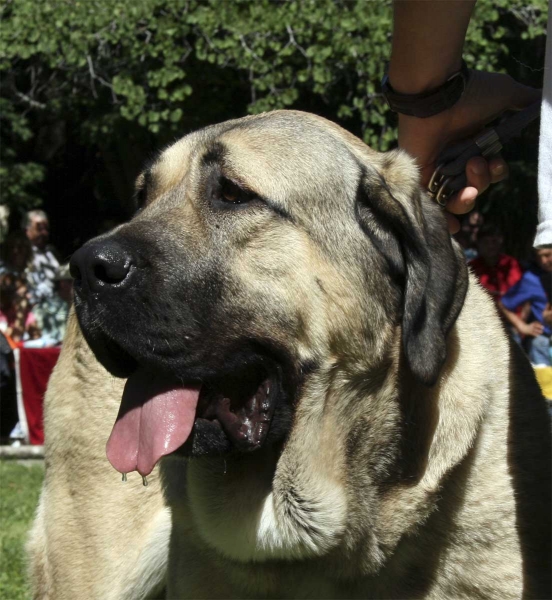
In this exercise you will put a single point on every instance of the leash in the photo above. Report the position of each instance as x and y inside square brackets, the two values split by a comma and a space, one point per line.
[450, 174]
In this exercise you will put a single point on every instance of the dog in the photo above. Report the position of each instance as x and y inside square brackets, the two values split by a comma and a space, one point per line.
[337, 406]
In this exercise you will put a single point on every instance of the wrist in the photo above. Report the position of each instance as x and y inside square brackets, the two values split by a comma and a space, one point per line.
[423, 138]
[410, 79]
[427, 103]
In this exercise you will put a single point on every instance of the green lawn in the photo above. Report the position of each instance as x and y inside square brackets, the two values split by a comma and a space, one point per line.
[19, 491]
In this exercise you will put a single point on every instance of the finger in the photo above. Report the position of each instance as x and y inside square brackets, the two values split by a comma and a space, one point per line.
[463, 201]
[453, 223]
[499, 169]
[478, 173]
[479, 176]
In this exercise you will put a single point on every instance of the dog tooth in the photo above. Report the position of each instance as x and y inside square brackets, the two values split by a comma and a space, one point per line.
[144, 481]
[124, 477]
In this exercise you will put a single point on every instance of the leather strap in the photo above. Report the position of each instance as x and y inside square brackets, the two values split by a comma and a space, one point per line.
[427, 103]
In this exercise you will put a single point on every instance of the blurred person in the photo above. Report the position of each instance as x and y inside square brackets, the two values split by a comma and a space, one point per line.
[51, 314]
[17, 321]
[17, 254]
[534, 287]
[547, 314]
[466, 236]
[44, 263]
[497, 272]
[8, 398]
[547, 317]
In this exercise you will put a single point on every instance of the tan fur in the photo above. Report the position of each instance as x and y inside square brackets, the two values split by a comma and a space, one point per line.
[384, 488]
[93, 537]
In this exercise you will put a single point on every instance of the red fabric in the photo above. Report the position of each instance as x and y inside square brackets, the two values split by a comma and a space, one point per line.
[35, 368]
[499, 279]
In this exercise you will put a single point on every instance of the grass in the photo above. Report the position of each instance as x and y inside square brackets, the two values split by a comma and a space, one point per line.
[19, 491]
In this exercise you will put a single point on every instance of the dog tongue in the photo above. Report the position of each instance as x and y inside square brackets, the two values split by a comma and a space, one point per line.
[155, 418]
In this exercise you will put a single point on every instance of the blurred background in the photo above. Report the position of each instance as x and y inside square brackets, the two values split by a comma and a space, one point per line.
[91, 89]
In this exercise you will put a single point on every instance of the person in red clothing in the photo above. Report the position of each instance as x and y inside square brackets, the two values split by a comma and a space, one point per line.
[497, 272]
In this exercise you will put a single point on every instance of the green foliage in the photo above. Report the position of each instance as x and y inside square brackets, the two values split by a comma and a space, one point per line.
[98, 63]
[19, 492]
[17, 178]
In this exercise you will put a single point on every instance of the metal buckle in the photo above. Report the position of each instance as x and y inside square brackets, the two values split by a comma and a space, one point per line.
[443, 194]
[436, 180]
[438, 187]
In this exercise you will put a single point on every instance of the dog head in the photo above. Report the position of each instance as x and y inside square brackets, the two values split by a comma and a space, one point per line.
[266, 249]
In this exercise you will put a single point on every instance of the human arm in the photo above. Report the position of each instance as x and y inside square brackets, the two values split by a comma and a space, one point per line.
[525, 291]
[428, 37]
[532, 329]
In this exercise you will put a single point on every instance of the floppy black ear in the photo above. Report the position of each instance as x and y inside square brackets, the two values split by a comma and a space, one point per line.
[411, 232]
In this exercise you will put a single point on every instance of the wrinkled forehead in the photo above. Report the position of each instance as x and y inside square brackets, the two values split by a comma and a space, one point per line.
[278, 152]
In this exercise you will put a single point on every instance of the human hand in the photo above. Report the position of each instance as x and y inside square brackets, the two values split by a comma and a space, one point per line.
[532, 329]
[547, 314]
[487, 95]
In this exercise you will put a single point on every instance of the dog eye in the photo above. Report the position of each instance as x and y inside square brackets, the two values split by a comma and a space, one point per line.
[233, 193]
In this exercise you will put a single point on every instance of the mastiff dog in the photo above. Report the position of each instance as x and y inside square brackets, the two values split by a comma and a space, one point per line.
[334, 404]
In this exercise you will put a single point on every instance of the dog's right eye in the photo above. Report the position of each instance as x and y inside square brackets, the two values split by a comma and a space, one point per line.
[231, 193]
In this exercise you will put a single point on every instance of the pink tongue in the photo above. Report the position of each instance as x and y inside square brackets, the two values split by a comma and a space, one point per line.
[155, 418]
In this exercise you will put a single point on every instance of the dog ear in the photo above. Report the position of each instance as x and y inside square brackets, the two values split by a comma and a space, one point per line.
[411, 233]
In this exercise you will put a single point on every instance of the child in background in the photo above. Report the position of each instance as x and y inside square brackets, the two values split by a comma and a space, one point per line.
[534, 287]
[17, 321]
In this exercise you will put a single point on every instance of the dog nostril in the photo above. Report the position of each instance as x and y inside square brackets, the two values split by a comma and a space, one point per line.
[101, 265]
[111, 273]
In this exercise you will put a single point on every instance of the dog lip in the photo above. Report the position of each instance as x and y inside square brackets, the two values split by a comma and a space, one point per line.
[112, 356]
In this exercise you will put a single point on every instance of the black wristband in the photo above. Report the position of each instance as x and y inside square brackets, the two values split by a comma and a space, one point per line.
[432, 102]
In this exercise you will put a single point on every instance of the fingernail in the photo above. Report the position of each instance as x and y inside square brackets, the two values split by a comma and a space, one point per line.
[478, 168]
[497, 170]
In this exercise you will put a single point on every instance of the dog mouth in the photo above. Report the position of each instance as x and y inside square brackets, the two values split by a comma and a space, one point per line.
[159, 414]
[242, 406]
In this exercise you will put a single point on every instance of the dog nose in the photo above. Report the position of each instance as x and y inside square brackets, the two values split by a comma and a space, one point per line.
[100, 265]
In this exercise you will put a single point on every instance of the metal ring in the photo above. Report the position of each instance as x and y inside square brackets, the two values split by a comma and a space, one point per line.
[443, 194]
[434, 185]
